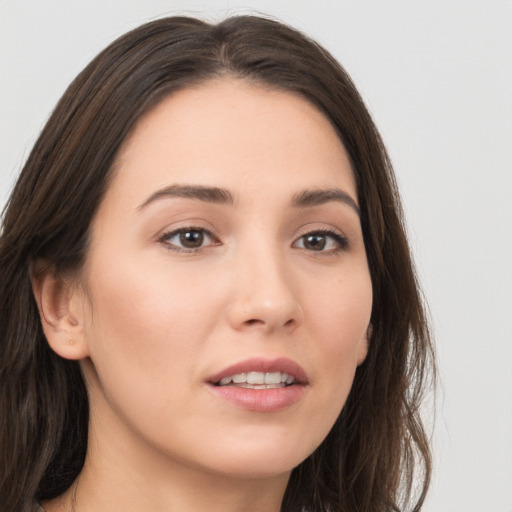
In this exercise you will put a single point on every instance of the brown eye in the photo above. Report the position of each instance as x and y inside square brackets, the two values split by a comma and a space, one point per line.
[191, 238]
[188, 239]
[322, 241]
[315, 242]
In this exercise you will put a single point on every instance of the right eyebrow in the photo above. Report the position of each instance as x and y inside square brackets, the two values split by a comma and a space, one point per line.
[199, 192]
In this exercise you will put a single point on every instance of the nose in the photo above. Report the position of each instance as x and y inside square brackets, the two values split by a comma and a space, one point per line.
[265, 294]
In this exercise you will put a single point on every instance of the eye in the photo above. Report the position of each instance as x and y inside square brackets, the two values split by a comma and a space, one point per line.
[189, 239]
[322, 241]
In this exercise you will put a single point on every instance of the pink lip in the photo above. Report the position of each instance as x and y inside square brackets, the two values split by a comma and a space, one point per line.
[282, 365]
[261, 400]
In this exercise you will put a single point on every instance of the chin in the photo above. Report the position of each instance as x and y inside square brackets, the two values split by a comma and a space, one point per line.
[251, 469]
[258, 460]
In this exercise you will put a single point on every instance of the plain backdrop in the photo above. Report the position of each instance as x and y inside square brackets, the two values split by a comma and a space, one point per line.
[437, 77]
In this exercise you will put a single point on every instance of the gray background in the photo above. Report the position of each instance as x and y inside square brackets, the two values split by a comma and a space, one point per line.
[437, 77]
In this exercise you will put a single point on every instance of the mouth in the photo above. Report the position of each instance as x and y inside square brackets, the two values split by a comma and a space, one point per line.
[257, 380]
[261, 385]
[258, 373]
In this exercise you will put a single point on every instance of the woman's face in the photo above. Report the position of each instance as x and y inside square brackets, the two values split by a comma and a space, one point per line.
[228, 248]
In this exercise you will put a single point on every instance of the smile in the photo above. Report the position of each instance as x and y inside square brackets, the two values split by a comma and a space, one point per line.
[258, 380]
[261, 385]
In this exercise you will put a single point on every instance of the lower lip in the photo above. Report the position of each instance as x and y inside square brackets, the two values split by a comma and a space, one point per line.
[261, 400]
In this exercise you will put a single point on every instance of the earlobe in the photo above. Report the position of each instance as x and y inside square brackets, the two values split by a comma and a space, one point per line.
[62, 318]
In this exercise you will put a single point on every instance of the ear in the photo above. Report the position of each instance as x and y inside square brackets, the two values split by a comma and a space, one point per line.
[61, 308]
[364, 346]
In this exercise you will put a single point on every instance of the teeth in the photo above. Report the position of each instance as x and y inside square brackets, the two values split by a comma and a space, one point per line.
[273, 378]
[255, 378]
[258, 380]
[260, 386]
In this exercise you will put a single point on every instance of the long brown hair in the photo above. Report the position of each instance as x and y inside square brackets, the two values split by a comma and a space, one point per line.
[376, 457]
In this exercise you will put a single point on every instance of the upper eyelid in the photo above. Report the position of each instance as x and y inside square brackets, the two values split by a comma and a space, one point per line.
[167, 235]
[326, 232]
[340, 241]
[325, 228]
[210, 232]
[190, 224]
[339, 237]
[176, 231]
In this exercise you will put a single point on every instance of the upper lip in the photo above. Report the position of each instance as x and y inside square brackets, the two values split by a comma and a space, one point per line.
[283, 365]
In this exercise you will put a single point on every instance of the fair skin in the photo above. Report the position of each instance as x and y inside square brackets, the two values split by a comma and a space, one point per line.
[183, 281]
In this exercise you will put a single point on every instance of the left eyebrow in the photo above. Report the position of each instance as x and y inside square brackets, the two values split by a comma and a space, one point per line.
[316, 197]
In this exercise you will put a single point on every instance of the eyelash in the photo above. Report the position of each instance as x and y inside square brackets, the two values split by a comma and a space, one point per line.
[340, 240]
[164, 239]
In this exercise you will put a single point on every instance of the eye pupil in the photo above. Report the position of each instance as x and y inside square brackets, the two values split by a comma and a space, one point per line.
[191, 239]
[315, 242]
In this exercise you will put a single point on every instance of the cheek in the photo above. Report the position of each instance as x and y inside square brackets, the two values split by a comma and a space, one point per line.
[341, 310]
[148, 323]
[340, 316]
[146, 334]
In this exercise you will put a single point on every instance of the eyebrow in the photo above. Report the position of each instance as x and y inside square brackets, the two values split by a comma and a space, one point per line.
[308, 198]
[304, 199]
[199, 192]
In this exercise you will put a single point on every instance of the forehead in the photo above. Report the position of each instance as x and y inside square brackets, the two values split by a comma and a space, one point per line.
[233, 134]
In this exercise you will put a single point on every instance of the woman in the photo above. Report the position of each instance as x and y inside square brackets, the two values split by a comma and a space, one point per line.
[207, 297]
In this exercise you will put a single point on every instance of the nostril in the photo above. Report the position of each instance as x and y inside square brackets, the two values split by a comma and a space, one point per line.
[254, 321]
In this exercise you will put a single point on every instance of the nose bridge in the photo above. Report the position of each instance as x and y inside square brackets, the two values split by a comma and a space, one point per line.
[265, 295]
